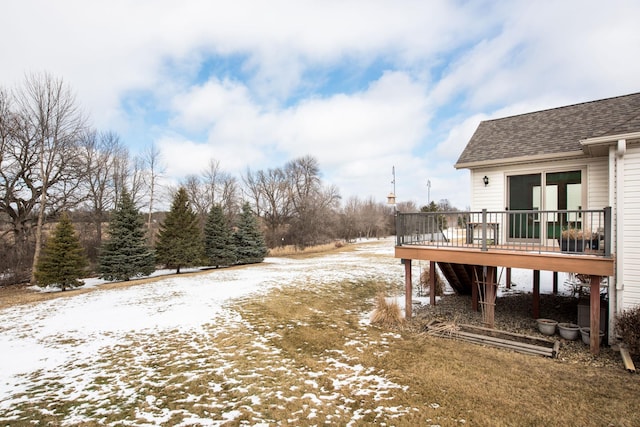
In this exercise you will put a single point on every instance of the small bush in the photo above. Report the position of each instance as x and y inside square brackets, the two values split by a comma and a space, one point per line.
[387, 314]
[628, 328]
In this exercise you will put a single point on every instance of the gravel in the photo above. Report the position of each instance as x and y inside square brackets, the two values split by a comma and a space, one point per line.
[513, 313]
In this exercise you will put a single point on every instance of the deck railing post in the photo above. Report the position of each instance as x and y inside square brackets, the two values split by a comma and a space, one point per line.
[484, 230]
[607, 231]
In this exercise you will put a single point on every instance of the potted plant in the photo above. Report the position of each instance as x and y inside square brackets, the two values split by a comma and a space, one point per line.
[568, 331]
[547, 326]
[572, 239]
[586, 336]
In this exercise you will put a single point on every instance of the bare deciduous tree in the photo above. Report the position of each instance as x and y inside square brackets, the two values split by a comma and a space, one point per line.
[293, 203]
[271, 195]
[51, 127]
[212, 187]
[154, 170]
[100, 151]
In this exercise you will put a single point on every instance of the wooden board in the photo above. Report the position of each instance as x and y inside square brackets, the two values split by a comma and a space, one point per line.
[626, 359]
[495, 338]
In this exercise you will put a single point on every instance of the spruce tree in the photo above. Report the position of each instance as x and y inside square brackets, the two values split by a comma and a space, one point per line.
[249, 242]
[63, 261]
[126, 253]
[218, 239]
[180, 241]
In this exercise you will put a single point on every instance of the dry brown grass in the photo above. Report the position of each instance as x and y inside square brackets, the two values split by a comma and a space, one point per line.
[303, 355]
[386, 313]
[292, 250]
[446, 382]
[425, 282]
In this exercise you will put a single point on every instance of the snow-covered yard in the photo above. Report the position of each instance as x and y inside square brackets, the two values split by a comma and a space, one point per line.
[285, 342]
[69, 349]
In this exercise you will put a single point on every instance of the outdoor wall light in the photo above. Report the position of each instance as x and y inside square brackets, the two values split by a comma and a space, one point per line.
[485, 180]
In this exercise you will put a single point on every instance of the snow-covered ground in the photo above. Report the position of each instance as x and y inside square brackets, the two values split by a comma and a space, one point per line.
[64, 338]
[59, 338]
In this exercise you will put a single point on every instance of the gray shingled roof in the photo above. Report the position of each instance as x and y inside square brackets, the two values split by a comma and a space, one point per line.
[558, 130]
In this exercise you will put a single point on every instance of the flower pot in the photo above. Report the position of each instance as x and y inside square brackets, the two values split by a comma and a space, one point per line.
[571, 245]
[585, 332]
[547, 326]
[568, 331]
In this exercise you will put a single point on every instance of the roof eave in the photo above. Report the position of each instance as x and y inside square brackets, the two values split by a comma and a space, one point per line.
[608, 139]
[519, 160]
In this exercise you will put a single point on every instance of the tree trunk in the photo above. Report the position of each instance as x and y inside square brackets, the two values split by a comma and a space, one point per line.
[39, 227]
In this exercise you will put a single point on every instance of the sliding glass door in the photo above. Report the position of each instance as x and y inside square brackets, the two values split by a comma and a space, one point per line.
[524, 195]
[548, 191]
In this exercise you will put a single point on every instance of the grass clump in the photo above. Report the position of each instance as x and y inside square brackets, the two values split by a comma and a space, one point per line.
[425, 283]
[387, 313]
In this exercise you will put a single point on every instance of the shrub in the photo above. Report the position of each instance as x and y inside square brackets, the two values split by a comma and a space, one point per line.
[387, 314]
[628, 328]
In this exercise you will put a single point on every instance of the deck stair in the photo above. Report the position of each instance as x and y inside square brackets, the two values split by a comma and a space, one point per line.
[459, 276]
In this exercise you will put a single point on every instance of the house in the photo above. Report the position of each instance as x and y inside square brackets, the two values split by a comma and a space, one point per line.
[534, 175]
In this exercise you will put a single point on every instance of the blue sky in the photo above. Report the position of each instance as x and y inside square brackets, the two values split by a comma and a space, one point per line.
[360, 85]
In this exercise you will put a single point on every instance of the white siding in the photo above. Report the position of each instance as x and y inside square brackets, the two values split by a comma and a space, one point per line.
[598, 184]
[631, 241]
[493, 197]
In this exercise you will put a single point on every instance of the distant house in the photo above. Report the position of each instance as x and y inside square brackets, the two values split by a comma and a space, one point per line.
[542, 172]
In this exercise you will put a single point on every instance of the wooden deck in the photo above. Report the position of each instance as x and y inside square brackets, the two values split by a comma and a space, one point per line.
[496, 257]
[592, 265]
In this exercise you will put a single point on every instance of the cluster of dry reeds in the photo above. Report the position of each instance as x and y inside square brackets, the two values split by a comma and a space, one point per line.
[386, 313]
[425, 282]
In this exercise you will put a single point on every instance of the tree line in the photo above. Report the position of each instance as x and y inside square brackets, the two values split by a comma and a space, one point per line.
[126, 253]
[53, 162]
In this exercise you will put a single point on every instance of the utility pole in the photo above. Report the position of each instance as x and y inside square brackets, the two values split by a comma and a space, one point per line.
[428, 192]
[393, 174]
[391, 198]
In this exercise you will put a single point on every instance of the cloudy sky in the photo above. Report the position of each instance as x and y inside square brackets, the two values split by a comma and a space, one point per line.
[360, 85]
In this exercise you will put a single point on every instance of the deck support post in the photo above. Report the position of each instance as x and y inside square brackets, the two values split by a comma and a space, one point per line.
[408, 289]
[432, 283]
[555, 283]
[490, 292]
[594, 316]
[474, 290]
[508, 278]
[536, 294]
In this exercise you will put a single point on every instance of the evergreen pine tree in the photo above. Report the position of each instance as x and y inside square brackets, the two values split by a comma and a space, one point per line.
[126, 253]
[180, 241]
[249, 242]
[218, 239]
[63, 261]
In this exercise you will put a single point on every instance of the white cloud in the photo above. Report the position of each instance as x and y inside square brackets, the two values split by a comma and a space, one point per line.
[352, 136]
[447, 65]
[388, 117]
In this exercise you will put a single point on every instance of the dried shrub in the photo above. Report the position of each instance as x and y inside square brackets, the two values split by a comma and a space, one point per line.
[425, 283]
[387, 314]
[628, 328]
